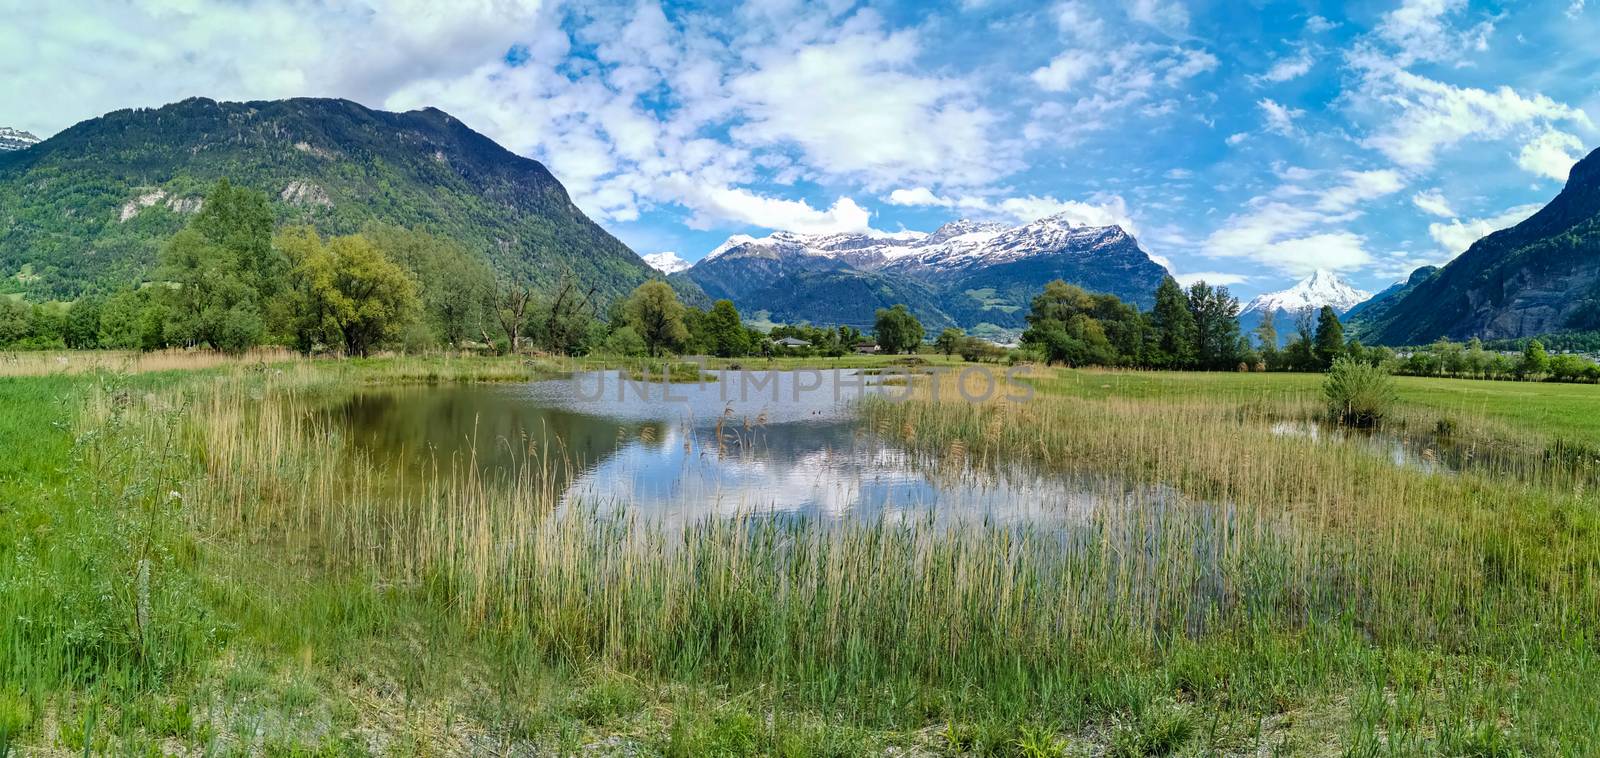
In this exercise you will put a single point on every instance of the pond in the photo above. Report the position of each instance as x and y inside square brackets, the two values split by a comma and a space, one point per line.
[784, 443]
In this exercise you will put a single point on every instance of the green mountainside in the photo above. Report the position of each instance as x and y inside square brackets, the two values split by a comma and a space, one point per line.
[89, 209]
[1541, 276]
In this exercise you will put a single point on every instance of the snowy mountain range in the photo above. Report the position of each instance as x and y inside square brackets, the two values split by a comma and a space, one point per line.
[15, 139]
[667, 262]
[966, 273]
[1311, 293]
[962, 244]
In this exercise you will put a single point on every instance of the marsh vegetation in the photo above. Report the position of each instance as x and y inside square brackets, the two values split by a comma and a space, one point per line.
[216, 560]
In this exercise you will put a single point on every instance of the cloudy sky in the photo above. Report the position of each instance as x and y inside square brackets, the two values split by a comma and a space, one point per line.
[1247, 143]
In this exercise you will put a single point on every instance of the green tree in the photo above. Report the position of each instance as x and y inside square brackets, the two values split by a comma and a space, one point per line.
[224, 266]
[83, 324]
[15, 321]
[897, 330]
[121, 320]
[1266, 334]
[564, 324]
[654, 312]
[454, 284]
[949, 340]
[1535, 361]
[347, 292]
[1330, 337]
[726, 331]
[1173, 328]
[1216, 327]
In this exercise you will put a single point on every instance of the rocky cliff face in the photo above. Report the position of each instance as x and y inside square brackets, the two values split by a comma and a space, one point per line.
[1541, 276]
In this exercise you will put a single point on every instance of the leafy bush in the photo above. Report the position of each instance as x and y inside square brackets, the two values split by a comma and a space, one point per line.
[1359, 394]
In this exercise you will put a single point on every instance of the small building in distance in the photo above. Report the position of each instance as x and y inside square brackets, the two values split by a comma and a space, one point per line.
[867, 348]
[791, 342]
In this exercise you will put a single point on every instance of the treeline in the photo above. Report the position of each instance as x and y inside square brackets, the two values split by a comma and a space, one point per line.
[1476, 360]
[228, 282]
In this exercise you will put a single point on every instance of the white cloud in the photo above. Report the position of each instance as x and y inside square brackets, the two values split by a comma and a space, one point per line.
[1575, 9]
[1178, 174]
[1318, 25]
[1286, 69]
[1169, 16]
[1213, 278]
[1064, 71]
[1237, 137]
[69, 61]
[1076, 19]
[1359, 187]
[874, 118]
[1104, 211]
[1432, 201]
[1280, 119]
[1420, 31]
[1298, 229]
[717, 204]
[1546, 154]
[1456, 236]
[1426, 116]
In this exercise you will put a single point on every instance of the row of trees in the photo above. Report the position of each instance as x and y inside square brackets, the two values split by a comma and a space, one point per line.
[1197, 328]
[1472, 360]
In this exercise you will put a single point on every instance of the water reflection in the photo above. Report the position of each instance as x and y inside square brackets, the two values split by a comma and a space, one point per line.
[681, 452]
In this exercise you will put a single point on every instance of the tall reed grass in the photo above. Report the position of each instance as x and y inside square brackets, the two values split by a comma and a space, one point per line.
[1259, 575]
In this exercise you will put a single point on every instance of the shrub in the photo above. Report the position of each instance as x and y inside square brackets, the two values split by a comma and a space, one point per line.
[1358, 394]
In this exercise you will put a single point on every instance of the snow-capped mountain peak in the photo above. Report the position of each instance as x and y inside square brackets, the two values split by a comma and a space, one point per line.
[667, 262]
[729, 244]
[1321, 288]
[15, 139]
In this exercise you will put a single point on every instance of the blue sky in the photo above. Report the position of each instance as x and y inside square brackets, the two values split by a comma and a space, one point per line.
[1247, 143]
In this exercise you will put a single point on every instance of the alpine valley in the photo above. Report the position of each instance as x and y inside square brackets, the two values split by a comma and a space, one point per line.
[972, 274]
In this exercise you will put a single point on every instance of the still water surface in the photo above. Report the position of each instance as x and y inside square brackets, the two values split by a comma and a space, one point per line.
[784, 443]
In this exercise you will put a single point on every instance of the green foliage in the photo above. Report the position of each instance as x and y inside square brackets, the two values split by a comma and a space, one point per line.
[897, 330]
[345, 292]
[725, 331]
[656, 315]
[1535, 361]
[1069, 325]
[1358, 394]
[224, 271]
[1174, 327]
[949, 341]
[83, 324]
[1330, 344]
[1217, 342]
[454, 284]
[625, 342]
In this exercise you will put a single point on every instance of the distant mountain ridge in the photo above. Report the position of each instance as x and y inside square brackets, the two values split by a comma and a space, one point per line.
[966, 273]
[1541, 276]
[90, 207]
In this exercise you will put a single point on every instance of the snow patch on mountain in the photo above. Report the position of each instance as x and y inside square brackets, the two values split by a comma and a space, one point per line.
[1311, 293]
[666, 262]
[16, 139]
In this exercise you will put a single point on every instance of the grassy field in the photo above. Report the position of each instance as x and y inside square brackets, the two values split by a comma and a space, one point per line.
[192, 563]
